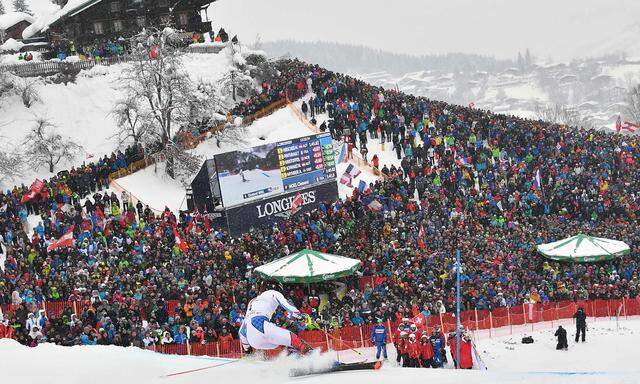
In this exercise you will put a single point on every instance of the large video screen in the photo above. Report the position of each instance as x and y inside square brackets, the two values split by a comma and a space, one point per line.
[272, 169]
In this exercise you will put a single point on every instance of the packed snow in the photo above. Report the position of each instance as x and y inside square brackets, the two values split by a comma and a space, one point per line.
[608, 356]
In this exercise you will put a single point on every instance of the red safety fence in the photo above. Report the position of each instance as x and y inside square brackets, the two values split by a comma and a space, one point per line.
[360, 336]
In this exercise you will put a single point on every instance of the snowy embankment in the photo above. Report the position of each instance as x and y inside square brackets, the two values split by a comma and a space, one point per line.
[81, 110]
[608, 356]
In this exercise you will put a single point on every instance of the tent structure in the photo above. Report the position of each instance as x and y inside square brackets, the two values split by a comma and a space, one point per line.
[308, 266]
[584, 249]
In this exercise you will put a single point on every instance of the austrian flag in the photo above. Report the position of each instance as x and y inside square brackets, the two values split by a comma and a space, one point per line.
[65, 241]
[296, 204]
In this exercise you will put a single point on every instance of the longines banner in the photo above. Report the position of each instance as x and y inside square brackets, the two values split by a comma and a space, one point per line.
[273, 209]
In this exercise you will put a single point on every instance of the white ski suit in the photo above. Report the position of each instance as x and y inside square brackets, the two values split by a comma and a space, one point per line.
[257, 330]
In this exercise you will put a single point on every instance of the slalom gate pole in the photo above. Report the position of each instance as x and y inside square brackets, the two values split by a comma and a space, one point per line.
[342, 341]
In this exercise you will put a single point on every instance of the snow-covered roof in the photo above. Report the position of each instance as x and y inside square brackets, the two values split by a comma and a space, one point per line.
[11, 45]
[8, 20]
[72, 8]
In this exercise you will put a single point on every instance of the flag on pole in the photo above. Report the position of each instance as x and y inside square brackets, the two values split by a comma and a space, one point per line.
[627, 126]
[179, 240]
[421, 235]
[420, 321]
[421, 232]
[342, 154]
[207, 224]
[192, 222]
[349, 174]
[34, 189]
[363, 187]
[296, 204]
[65, 241]
[537, 182]
[618, 124]
[375, 206]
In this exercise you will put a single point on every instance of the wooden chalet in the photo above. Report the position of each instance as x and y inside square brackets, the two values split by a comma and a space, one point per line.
[87, 21]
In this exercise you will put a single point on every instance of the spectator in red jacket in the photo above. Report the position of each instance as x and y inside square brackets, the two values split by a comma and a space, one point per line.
[426, 351]
[413, 352]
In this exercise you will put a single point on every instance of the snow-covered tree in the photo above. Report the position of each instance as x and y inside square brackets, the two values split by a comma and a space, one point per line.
[22, 6]
[11, 163]
[632, 107]
[2, 11]
[44, 145]
[133, 125]
[238, 81]
[26, 88]
[562, 114]
[163, 92]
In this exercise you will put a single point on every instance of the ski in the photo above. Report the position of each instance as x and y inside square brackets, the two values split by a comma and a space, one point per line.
[337, 367]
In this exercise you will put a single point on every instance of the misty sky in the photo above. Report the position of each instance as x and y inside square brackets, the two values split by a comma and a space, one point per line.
[561, 29]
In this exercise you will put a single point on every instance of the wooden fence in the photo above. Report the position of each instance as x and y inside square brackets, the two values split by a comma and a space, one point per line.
[48, 68]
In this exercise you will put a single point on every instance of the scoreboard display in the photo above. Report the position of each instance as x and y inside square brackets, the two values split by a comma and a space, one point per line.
[272, 169]
[306, 161]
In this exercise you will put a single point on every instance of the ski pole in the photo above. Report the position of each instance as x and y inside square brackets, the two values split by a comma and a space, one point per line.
[198, 369]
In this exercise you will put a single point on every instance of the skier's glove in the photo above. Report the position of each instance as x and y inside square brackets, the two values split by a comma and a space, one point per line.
[296, 315]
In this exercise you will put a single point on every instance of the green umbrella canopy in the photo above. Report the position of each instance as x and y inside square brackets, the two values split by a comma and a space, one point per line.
[584, 249]
[308, 266]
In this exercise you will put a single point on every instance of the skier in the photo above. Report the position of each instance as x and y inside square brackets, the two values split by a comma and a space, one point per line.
[258, 332]
[379, 336]
[244, 180]
[581, 323]
[561, 334]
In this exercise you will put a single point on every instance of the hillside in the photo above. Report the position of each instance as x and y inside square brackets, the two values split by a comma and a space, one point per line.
[594, 87]
[82, 109]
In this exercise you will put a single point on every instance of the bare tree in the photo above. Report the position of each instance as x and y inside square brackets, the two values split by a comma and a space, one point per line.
[22, 6]
[133, 124]
[45, 145]
[158, 80]
[11, 163]
[7, 85]
[632, 107]
[562, 114]
[26, 88]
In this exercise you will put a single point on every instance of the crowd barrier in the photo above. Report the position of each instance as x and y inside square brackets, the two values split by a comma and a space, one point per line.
[502, 320]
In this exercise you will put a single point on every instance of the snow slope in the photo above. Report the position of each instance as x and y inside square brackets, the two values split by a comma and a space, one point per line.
[81, 110]
[608, 356]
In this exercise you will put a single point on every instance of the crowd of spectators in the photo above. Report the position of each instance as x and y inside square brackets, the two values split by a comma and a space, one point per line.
[465, 180]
